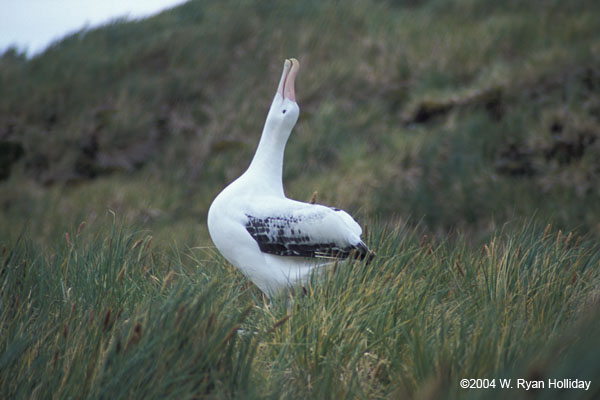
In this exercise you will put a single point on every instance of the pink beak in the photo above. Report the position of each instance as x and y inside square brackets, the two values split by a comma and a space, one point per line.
[286, 84]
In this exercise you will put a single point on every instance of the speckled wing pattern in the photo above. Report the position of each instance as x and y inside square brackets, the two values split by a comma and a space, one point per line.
[313, 235]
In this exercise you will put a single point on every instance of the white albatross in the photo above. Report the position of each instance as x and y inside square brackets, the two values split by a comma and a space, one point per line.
[273, 240]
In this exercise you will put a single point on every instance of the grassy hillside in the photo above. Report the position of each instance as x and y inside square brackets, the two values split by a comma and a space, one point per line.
[463, 114]
[463, 134]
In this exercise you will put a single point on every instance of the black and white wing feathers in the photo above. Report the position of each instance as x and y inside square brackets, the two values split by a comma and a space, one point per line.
[313, 231]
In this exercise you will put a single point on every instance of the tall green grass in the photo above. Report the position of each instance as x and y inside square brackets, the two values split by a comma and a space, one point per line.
[106, 317]
[109, 314]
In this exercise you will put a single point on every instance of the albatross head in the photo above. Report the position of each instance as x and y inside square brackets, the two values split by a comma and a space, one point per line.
[284, 110]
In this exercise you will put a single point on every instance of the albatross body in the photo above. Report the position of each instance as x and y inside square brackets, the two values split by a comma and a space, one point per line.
[273, 240]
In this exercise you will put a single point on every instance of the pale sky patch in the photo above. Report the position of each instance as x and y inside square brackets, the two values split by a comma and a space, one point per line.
[32, 25]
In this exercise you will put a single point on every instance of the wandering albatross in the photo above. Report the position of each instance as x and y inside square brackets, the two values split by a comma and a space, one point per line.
[273, 240]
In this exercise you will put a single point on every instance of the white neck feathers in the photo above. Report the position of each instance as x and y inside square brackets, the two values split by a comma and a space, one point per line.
[267, 164]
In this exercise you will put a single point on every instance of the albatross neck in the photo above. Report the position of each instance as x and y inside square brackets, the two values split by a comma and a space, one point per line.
[267, 163]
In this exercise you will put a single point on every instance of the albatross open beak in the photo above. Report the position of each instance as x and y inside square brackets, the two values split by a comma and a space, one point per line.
[286, 84]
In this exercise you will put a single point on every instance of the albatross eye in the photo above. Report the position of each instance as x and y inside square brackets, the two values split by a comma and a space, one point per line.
[284, 111]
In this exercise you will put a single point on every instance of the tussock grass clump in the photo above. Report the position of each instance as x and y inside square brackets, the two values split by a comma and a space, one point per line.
[424, 315]
[109, 315]
[106, 317]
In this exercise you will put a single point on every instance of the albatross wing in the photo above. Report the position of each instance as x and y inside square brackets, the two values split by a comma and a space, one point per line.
[292, 228]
